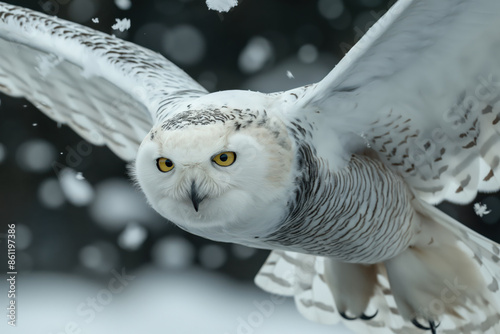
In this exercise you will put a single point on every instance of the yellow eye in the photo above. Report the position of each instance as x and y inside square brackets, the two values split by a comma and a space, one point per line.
[164, 164]
[225, 159]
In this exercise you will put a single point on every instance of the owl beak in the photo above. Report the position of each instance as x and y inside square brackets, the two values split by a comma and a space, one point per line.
[195, 197]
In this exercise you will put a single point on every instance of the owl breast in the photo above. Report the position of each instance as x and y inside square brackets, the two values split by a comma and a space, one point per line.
[361, 214]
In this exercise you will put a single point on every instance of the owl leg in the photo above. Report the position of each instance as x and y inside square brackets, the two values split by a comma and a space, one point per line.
[352, 286]
[434, 277]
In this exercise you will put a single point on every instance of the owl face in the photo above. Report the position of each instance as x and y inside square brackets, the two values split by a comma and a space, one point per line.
[217, 180]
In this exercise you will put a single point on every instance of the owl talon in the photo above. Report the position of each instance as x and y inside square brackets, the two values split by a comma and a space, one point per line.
[362, 316]
[365, 317]
[346, 317]
[432, 326]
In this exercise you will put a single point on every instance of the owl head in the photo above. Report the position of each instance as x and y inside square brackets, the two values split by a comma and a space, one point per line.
[222, 173]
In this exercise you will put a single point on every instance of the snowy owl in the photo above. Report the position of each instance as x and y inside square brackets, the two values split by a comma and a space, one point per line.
[338, 178]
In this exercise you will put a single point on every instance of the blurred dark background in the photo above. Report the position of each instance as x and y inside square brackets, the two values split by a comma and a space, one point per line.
[91, 219]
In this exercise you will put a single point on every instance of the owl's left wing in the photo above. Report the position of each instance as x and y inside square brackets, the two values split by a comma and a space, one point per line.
[421, 89]
[109, 91]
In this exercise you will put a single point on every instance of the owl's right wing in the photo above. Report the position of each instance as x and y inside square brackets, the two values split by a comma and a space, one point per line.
[421, 90]
[109, 91]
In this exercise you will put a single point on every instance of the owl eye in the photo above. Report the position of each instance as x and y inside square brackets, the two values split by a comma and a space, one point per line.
[164, 165]
[225, 159]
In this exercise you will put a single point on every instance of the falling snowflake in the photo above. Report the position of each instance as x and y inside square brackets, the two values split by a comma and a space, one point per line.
[221, 5]
[289, 75]
[35, 124]
[481, 209]
[95, 20]
[122, 25]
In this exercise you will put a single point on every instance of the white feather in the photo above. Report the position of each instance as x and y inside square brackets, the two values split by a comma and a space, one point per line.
[108, 90]
[422, 60]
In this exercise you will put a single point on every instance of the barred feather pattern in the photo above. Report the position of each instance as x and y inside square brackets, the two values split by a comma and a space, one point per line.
[108, 90]
[360, 214]
[453, 159]
[422, 87]
[302, 276]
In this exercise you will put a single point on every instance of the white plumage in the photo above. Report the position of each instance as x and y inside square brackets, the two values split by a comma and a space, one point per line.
[337, 177]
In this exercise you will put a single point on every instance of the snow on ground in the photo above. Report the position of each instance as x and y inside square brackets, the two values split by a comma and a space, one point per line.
[153, 301]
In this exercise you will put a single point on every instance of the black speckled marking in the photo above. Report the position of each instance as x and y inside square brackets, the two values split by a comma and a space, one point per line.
[240, 119]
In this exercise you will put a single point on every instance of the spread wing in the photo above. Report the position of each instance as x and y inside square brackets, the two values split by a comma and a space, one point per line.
[421, 88]
[108, 90]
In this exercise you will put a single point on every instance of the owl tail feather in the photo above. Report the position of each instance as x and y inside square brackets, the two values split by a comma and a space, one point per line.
[451, 275]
